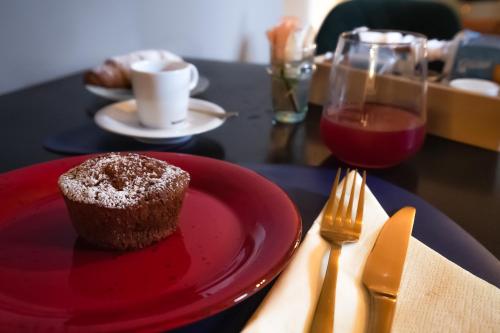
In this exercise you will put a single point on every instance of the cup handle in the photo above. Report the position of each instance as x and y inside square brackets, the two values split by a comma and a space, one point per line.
[194, 77]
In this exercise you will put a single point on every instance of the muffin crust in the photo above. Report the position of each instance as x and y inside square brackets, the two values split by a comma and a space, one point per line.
[123, 200]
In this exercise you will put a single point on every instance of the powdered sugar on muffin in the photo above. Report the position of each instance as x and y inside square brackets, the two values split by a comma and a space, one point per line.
[119, 180]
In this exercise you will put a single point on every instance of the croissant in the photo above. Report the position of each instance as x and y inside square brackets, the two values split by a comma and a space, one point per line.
[115, 72]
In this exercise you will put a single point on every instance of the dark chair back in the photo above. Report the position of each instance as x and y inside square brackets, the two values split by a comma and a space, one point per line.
[435, 20]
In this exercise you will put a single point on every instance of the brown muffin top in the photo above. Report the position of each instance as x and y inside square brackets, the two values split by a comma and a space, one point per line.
[119, 180]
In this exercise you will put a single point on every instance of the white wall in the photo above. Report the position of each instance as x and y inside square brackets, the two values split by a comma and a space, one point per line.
[216, 29]
[42, 40]
[312, 11]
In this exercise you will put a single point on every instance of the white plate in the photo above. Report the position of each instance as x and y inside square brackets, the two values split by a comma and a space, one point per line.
[122, 94]
[121, 118]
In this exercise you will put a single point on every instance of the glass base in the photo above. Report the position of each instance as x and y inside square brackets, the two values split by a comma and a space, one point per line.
[289, 117]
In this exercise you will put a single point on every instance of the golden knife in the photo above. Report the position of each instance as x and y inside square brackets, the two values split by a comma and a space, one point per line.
[384, 267]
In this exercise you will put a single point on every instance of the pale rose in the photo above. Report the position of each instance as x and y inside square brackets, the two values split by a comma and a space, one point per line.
[288, 39]
[278, 36]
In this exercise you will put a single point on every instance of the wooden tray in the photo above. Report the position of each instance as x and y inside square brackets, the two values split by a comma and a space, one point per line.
[451, 113]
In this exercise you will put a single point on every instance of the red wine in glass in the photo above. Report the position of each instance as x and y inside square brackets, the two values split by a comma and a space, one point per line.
[375, 136]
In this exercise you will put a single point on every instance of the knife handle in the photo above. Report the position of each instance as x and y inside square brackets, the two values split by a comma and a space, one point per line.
[382, 309]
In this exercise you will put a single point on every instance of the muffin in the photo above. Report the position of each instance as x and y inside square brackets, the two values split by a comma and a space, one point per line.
[124, 201]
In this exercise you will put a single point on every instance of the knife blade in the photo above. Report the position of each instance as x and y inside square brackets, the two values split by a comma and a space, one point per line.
[384, 268]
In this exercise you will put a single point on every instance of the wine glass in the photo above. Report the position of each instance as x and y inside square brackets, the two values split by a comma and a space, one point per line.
[376, 113]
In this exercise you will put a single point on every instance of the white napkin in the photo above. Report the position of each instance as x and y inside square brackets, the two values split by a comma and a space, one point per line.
[435, 295]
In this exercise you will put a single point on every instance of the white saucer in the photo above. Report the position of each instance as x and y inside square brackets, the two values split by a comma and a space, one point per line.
[121, 118]
[122, 94]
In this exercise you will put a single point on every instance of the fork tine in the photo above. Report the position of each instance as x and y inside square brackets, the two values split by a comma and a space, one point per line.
[331, 199]
[338, 216]
[361, 202]
[348, 214]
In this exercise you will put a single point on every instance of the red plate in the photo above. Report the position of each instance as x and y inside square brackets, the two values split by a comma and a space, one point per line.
[237, 230]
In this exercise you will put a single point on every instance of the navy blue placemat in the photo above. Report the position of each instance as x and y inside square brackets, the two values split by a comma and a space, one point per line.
[432, 227]
[309, 188]
[90, 139]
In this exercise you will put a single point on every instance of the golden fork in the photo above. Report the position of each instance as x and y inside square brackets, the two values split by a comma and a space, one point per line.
[337, 228]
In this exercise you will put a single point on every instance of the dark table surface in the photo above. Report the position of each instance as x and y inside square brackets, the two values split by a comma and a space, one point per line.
[460, 180]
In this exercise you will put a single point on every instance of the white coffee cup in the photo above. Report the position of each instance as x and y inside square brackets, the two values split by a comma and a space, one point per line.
[161, 89]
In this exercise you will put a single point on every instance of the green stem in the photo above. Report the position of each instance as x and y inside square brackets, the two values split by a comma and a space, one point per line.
[290, 93]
